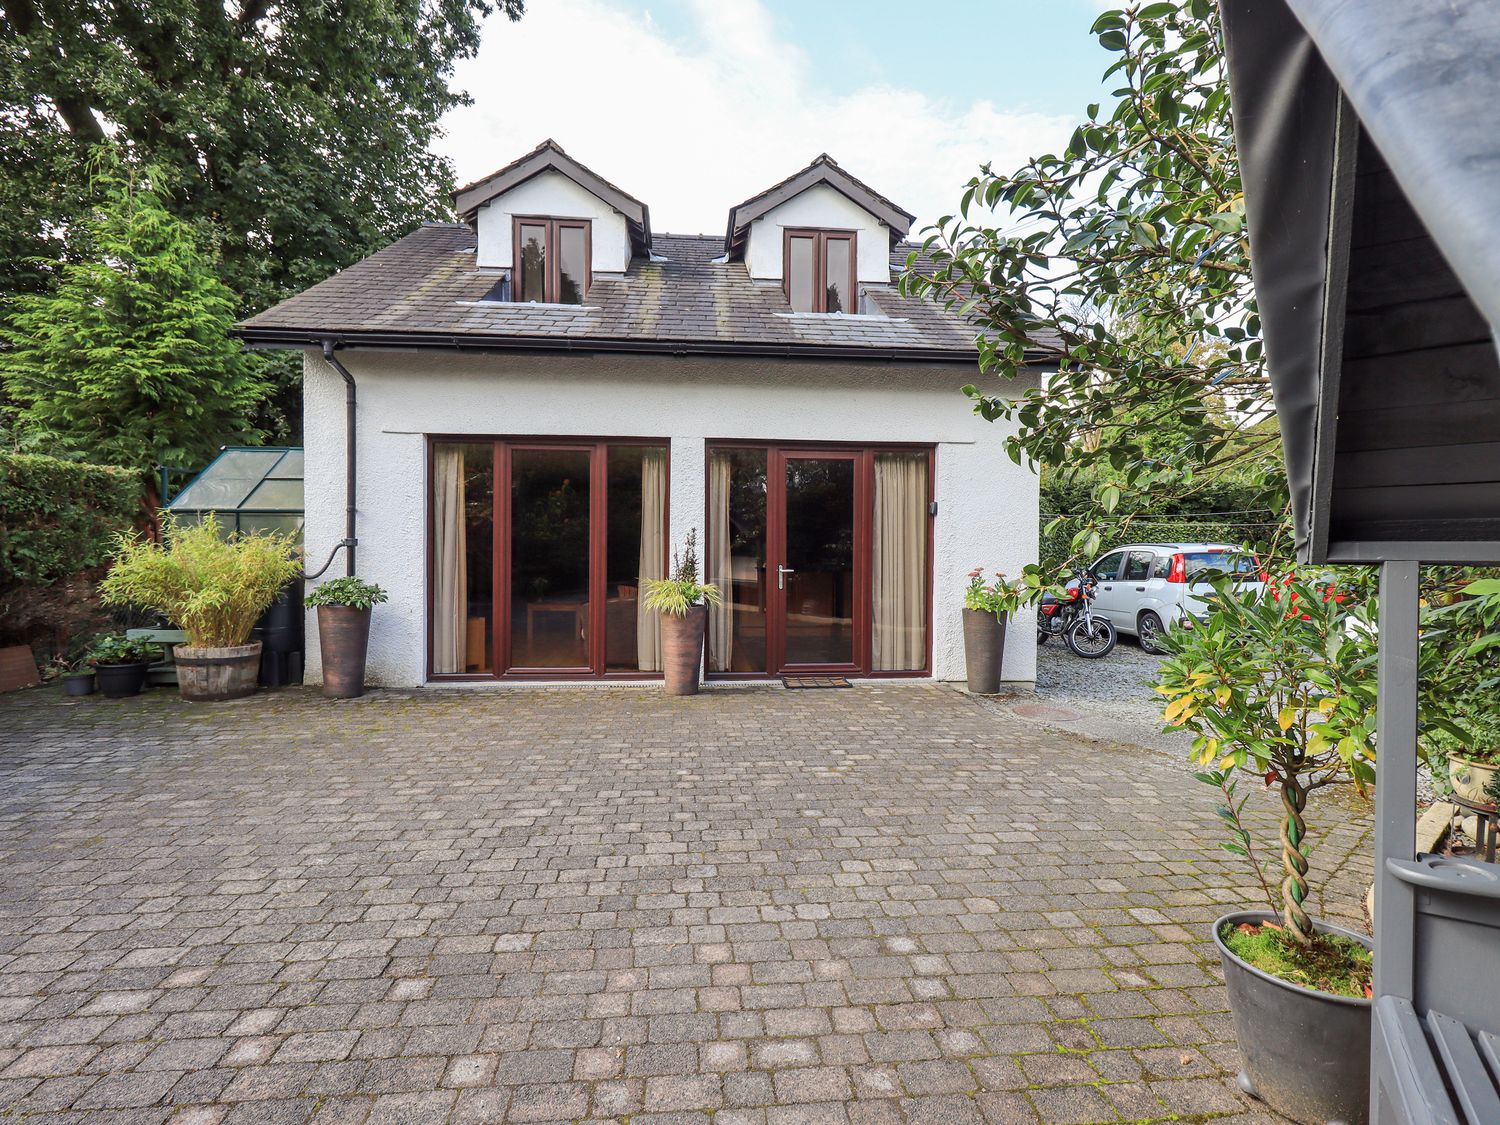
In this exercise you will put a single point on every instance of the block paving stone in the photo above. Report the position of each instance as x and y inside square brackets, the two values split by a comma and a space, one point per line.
[896, 904]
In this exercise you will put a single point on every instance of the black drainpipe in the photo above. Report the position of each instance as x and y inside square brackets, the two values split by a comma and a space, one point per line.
[350, 459]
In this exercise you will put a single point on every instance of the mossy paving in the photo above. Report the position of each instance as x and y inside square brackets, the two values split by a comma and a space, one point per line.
[888, 904]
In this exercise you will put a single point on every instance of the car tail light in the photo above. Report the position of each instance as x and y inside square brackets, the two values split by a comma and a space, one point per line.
[1260, 571]
[1178, 573]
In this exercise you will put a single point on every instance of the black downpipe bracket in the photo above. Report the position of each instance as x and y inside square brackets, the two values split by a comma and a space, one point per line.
[350, 540]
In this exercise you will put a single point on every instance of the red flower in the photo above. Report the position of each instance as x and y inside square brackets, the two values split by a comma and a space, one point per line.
[1307, 617]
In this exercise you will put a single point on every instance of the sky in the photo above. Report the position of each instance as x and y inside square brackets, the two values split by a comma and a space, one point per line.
[694, 105]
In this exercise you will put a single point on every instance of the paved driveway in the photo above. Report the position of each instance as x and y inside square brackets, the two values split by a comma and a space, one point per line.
[872, 905]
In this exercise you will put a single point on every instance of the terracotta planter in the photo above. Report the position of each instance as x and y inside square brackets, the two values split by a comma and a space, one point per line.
[120, 681]
[1306, 1054]
[682, 650]
[344, 640]
[984, 650]
[1470, 778]
[207, 675]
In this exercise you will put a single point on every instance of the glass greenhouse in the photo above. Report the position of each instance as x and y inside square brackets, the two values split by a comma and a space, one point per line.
[247, 489]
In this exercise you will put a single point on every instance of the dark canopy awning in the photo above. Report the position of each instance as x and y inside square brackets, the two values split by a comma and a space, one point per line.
[1369, 142]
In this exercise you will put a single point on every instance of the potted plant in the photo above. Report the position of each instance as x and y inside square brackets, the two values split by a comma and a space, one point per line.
[1460, 732]
[76, 673]
[988, 608]
[682, 601]
[119, 663]
[212, 586]
[1280, 685]
[344, 606]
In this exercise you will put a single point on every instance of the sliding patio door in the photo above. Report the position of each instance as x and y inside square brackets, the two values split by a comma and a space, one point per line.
[538, 551]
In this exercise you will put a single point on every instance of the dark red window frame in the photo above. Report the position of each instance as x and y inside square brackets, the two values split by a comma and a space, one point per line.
[864, 460]
[552, 283]
[500, 576]
[820, 240]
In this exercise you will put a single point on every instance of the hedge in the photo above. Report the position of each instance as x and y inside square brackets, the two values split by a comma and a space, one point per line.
[58, 518]
[1056, 546]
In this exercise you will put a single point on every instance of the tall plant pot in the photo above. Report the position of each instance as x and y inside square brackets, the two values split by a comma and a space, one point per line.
[984, 650]
[344, 640]
[1306, 1054]
[207, 675]
[682, 650]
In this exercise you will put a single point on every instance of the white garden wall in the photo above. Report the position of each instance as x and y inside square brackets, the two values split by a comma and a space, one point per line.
[987, 506]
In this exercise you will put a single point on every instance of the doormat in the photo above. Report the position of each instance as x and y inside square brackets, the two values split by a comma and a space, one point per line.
[802, 683]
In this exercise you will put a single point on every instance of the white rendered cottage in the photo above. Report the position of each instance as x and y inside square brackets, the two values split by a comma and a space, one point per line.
[545, 399]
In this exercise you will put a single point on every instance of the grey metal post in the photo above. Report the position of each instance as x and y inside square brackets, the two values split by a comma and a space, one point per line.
[1396, 777]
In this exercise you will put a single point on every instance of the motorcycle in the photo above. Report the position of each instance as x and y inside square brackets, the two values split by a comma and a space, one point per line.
[1072, 618]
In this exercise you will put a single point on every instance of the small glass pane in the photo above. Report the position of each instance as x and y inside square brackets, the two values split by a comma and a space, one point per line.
[799, 273]
[463, 557]
[837, 297]
[571, 265]
[290, 466]
[635, 550]
[549, 558]
[286, 525]
[275, 496]
[227, 480]
[735, 559]
[819, 560]
[532, 267]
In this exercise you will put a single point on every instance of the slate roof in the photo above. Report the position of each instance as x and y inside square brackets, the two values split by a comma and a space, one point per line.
[426, 289]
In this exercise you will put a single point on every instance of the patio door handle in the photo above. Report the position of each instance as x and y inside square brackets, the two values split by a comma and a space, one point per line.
[781, 573]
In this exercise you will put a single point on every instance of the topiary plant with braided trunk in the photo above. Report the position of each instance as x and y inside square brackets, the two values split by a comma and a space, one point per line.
[1279, 682]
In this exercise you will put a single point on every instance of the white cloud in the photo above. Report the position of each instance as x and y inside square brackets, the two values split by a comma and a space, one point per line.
[693, 131]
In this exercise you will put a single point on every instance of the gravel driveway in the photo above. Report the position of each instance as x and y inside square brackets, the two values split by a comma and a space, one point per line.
[1108, 699]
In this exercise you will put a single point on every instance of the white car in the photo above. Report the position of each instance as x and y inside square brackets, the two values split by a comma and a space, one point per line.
[1145, 588]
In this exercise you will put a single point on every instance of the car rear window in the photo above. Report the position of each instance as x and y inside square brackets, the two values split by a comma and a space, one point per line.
[1240, 565]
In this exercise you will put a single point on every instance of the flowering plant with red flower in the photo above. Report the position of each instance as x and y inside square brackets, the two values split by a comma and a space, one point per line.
[1000, 595]
[1278, 682]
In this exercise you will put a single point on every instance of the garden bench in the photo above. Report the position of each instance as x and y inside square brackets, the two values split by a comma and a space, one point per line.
[1435, 1059]
[1432, 1070]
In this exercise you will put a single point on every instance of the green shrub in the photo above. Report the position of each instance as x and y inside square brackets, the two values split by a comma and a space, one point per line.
[117, 648]
[212, 587]
[674, 596]
[352, 592]
[60, 517]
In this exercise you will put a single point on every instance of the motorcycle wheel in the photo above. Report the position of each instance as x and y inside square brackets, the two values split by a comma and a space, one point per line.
[1042, 636]
[1091, 639]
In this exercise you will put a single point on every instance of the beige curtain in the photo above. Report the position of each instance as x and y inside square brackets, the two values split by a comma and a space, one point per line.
[719, 566]
[899, 571]
[450, 577]
[653, 556]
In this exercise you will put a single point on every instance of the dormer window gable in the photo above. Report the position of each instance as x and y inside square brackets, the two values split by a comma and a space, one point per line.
[548, 226]
[821, 234]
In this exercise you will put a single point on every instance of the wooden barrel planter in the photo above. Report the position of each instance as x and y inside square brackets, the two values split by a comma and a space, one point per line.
[210, 674]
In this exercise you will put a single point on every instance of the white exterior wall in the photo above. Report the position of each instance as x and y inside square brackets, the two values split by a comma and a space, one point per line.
[987, 506]
[553, 195]
[819, 206]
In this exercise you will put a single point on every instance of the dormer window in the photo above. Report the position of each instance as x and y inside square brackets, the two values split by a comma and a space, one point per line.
[819, 271]
[552, 260]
